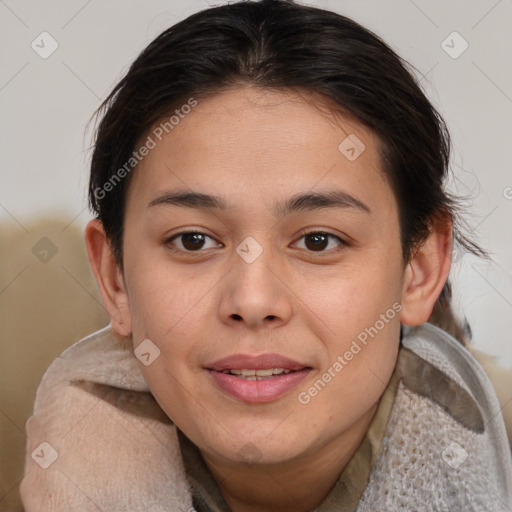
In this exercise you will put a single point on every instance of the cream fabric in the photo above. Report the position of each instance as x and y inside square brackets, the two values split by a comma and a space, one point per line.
[117, 451]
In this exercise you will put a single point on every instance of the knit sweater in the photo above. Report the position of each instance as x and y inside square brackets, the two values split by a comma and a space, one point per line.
[98, 440]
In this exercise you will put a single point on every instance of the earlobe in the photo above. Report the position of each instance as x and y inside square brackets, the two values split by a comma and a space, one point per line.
[109, 277]
[426, 274]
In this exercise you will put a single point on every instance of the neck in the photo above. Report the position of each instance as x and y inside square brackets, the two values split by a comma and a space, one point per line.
[300, 484]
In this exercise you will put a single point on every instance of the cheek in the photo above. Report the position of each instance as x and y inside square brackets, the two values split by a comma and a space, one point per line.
[361, 308]
[354, 296]
[169, 308]
[360, 363]
[176, 395]
[162, 297]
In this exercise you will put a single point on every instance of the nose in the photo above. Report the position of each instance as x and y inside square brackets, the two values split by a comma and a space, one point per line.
[255, 293]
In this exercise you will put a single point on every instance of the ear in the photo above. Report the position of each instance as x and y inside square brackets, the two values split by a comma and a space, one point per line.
[109, 277]
[426, 273]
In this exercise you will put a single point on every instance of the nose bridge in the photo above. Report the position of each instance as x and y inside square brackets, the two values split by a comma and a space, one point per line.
[253, 264]
[255, 292]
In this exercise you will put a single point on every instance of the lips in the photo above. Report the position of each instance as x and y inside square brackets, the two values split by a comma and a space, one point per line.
[260, 362]
[257, 379]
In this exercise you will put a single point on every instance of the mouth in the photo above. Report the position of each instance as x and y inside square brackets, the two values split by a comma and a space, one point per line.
[247, 374]
[257, 379]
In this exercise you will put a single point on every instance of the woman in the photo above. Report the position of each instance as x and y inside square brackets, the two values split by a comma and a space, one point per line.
[272, 235]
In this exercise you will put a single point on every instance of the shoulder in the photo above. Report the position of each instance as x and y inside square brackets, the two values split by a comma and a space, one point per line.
[97, 437]
[443, 352]
[464, 414]
[501, 379]
[445, 432]
[102, 357]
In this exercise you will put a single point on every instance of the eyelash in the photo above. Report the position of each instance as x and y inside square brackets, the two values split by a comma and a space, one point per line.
[343, 243]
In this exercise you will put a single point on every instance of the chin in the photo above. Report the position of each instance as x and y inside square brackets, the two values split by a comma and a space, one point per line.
[260, 449]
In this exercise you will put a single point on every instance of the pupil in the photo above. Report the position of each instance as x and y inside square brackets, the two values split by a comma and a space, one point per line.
[193, 238]
[319, 243]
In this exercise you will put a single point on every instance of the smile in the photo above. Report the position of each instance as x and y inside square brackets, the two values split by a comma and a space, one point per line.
[257, 388]
[256, 378]
[257, 374]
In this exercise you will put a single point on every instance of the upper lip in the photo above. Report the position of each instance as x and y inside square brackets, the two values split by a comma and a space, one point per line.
[255, 362]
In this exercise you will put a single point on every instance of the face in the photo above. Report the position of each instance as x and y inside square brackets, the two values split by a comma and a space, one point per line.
[296, 266]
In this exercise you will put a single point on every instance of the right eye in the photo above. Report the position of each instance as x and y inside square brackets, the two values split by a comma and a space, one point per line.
[190, 241]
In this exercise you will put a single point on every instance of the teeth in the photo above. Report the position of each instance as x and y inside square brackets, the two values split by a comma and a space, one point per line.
[254, 374]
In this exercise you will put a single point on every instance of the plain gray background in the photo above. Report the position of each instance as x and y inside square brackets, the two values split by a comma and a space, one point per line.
[46, 103]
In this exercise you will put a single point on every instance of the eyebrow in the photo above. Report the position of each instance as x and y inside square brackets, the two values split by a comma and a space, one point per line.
[297, 203]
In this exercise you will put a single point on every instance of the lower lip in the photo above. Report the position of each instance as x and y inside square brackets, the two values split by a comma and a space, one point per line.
[258, 391]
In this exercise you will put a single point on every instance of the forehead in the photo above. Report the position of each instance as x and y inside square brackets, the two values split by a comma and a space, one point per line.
[252, 144]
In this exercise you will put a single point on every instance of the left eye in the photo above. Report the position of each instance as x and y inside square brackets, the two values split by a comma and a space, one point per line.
[193, 241]
[318, 240]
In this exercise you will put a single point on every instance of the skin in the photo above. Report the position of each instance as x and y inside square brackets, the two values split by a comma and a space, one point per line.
[256, 148]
